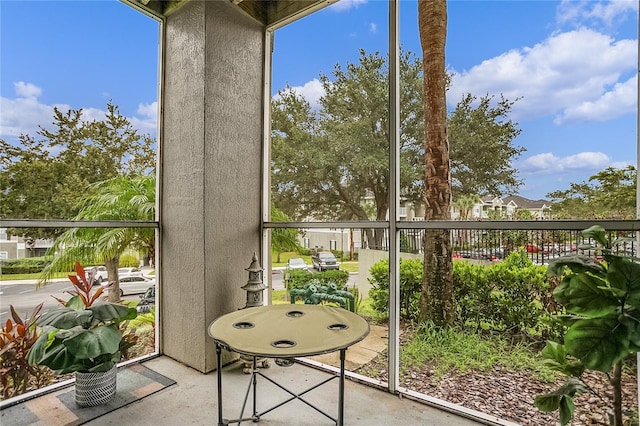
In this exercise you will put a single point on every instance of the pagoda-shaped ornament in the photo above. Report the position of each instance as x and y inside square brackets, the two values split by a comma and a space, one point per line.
[254, 286]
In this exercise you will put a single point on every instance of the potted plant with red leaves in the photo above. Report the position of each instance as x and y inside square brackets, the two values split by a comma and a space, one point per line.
[17, 336]
[85, 336]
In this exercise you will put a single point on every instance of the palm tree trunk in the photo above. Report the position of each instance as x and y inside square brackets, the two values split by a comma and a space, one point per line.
[436, 300]
[114, 281]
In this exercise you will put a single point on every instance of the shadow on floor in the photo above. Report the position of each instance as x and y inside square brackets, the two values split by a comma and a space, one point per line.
[193, 400]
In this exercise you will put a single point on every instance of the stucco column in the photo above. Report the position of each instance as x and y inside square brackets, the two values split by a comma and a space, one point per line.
[211, 172]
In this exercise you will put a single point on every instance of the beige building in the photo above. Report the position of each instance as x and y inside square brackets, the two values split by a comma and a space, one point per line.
[507, 208]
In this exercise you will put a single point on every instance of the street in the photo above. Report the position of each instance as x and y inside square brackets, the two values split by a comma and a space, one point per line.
[24, 296]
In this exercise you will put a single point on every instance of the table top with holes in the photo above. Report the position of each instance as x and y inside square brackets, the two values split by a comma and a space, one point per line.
[288, 331]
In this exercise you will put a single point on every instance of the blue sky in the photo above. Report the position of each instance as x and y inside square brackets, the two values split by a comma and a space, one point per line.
[573, 64]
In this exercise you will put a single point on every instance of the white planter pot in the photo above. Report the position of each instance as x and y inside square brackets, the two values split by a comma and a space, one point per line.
[95, 388]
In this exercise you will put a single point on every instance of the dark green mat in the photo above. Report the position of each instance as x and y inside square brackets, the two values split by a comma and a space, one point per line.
[135, 382]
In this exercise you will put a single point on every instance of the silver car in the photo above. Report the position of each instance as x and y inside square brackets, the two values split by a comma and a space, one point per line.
[297, 263]
[129, 272]
[133, 285]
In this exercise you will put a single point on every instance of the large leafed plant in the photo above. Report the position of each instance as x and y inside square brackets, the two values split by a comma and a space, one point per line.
[601, 296]
[85, 334]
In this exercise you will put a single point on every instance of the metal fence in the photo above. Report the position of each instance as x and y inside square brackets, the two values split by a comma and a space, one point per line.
[541, 245]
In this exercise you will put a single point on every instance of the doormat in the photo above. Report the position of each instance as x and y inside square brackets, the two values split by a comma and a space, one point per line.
[135, 381]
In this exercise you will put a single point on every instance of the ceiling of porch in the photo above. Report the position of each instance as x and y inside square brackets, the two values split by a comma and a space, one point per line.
[267, 12]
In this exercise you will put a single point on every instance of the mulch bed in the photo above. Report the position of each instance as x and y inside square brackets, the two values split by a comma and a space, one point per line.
[509, 394]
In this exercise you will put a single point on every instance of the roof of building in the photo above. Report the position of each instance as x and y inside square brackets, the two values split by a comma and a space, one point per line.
[267, 12]
[518, 201]
[526, 203]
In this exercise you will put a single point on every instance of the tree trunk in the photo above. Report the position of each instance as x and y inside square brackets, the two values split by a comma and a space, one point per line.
[351, 246]
[437, 300]
[616, 382]
[375, 238]
[114, 281]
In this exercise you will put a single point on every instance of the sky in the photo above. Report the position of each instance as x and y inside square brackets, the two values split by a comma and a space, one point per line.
[571, 66]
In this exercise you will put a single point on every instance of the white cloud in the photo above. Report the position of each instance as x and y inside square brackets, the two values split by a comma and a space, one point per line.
[373, 27]
[27, 90]
[343, 5]
[595, 13]
[620, 100]
[555, 77]
[312, 91]
[24, 113]
[547, 172]
[548, 163]
[148, 119]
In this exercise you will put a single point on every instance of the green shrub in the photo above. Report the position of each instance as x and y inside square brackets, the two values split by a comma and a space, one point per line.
[339, 278]
[502, 297]
[298, 279]
[511, 296]
[304, 251]
[410, 286]
[27, 265]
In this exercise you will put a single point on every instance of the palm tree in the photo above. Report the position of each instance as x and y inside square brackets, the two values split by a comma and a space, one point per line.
[465, 204]
[120, 198]
[436, 300]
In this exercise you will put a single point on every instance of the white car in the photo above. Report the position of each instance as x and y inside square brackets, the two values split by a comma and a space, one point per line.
[133, 284]
[129, 272]
[297, 263]
[100, 273]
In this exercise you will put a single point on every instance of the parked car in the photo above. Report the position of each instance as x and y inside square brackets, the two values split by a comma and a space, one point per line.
[532, 248]
[297, 263]
[133, 284]
[129, 272]
[324, 260]
[100, 273]
[147, 300]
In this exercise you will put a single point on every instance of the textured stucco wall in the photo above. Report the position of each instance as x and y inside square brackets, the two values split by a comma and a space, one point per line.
[211, 172]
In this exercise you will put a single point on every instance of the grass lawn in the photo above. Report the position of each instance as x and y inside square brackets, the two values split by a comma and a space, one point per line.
[36, 276]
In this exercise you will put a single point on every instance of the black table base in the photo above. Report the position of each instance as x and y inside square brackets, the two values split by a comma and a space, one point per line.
[252, 389]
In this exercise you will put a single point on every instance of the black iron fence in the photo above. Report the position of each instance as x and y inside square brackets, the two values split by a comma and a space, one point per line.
[541, 245]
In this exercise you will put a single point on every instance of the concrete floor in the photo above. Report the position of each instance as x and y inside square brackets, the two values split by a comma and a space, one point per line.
[193, 400]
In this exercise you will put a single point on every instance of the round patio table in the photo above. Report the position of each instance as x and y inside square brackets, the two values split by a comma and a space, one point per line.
[286, 332]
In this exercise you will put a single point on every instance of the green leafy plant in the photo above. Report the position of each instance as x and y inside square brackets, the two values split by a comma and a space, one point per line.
[505, 297]
[410, 286]
[602, 299]
[85, 334]
[300, 279]
[16, 338]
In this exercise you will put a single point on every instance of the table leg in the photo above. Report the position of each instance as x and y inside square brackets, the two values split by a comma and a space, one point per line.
[255, 392]
[341, 389]
[219, 373]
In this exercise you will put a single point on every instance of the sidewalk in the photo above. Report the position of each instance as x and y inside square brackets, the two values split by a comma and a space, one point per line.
[361, 353]
[31, 282]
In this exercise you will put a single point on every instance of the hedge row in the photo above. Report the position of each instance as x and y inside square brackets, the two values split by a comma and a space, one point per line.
[298, 279]
[513, 296]
[28, 265]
